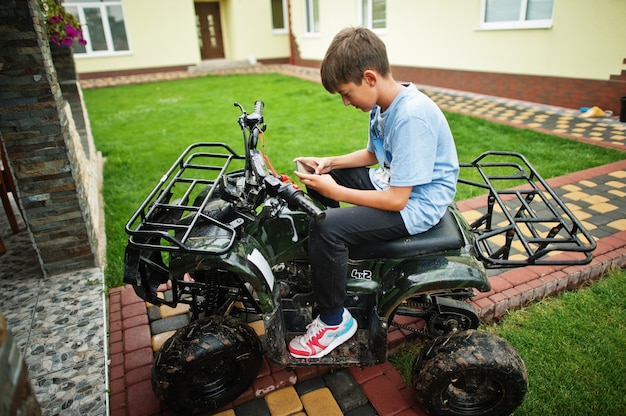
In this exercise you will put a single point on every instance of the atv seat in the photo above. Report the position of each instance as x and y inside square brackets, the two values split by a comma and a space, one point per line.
[446, 235]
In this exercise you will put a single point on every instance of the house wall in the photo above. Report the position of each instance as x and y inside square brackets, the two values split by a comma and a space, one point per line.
[173, 43]
[161, 33]
[446, 34]
[247, 31]
[583, 42]
[580, 61]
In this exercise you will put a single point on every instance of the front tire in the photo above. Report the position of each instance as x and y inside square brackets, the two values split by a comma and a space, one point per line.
[206, 365]
[469, 373]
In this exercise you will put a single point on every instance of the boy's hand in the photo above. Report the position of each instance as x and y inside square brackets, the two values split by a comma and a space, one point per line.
[314, 165]
[324, 184]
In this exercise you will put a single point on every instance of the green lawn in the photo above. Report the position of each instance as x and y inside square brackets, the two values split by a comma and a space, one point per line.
[141, 130]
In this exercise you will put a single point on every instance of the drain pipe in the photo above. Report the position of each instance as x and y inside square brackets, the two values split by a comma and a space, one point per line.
[289, 33]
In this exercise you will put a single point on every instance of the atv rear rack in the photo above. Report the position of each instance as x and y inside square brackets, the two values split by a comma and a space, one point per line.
[184, 193]
[513, 232]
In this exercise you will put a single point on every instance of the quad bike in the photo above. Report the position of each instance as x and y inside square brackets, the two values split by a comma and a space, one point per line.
[229, 236]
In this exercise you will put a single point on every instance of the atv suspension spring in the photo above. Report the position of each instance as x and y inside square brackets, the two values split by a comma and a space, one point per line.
[212, 292]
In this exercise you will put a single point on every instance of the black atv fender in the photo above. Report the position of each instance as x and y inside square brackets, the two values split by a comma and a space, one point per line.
[247, 260]
[430, 274]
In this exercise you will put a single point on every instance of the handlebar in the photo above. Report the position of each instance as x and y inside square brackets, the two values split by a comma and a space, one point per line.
[255, 164]
[252, 120]
[295, 198]
[258, 108]
[256, 118]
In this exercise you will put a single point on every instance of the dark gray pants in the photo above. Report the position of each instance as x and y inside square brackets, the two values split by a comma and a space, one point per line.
[330, 239]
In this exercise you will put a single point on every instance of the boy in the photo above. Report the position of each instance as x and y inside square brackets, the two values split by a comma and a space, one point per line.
[408, 193]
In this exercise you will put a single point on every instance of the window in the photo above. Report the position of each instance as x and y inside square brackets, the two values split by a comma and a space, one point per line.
[374, 14]
[279, 11]
[103, 27]
[515, 14]
[312, 16]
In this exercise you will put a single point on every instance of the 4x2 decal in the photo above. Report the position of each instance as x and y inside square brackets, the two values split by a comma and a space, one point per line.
[361, 274]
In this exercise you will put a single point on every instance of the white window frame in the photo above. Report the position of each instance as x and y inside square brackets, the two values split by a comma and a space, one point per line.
[309, 20]
[102, 5]
[284, 29]
[521, 23]
[368, 23]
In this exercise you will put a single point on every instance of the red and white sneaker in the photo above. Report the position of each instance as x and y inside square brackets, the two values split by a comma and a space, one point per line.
[320, 339]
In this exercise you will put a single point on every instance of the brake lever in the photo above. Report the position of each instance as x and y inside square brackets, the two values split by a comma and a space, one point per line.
[295, 237]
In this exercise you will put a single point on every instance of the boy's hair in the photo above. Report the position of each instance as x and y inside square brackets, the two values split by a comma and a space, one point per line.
[350, 54]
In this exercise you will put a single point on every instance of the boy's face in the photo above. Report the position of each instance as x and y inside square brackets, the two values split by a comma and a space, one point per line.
[361, 96]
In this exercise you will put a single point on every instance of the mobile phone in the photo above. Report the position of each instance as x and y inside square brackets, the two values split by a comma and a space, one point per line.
[304, 168]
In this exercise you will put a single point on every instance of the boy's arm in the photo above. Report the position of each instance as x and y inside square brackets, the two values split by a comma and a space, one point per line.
[392, 199]
[357, 159]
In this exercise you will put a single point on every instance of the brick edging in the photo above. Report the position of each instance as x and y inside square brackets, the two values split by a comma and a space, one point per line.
[515, 288]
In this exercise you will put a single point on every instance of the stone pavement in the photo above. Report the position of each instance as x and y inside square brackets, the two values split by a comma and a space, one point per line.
[60, 326]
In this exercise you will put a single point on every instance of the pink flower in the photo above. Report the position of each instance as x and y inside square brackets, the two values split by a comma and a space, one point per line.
[55, 39]
[62, 27]
[71, 31]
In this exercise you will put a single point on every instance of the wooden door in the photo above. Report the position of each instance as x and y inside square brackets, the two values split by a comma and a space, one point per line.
[209, 30]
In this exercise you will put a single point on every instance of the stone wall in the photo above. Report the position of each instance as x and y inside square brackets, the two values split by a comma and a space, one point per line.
[57, 170]
[17, 397]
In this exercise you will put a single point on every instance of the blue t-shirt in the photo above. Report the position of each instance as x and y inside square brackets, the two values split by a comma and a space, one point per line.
[414, 146]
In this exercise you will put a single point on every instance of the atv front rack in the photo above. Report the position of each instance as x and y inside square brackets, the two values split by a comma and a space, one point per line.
[178, 203]
[525, 220]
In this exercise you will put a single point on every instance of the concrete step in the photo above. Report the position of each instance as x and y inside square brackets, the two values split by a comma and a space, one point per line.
[213, 65]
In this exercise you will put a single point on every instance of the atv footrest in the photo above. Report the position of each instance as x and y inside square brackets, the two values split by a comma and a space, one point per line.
[366, 347]
[525, 221]
[355, 351]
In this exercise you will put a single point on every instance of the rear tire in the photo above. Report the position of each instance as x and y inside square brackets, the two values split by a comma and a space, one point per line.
[206, 365]
[469, 373]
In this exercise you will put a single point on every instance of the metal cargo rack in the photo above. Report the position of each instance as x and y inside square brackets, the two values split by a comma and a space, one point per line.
[526, 222]
[184, 192]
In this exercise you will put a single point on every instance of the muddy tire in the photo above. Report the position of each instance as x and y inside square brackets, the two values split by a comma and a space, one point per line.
[469, 373]
[206, 365]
